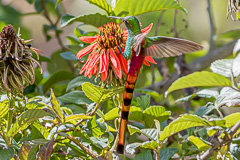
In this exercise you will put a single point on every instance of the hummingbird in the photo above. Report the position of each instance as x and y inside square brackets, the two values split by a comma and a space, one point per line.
[138, 46]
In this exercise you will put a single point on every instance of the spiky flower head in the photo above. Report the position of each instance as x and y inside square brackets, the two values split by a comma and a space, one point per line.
[105, 59]
[16, 62]
[233, 9]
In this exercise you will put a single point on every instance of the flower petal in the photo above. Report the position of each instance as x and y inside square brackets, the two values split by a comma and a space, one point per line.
[146, 30]
[116, 63]
[146, 63]
[88, 39]
[102, 62]
[150, 59]
[124, 64]
[104, 76]
[85, 51]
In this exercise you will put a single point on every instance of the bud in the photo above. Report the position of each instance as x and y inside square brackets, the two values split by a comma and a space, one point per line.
[16, 62]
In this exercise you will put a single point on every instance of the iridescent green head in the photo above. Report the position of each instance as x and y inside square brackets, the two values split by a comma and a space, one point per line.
[131, 23]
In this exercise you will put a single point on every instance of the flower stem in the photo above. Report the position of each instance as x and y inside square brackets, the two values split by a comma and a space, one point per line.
[4, 136]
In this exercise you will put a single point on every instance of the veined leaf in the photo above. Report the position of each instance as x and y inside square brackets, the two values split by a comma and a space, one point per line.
[24, 150]
[76, 117]
[45, 151]
[75, 97]
[112, 114]
[222, 67]
[232, 119]
[25, 119]
[56, 106]
[101, 4]
[136, 7]
[135, 114]
[236, 66]
[130, 148]
[6, 153]
[200, 79]
[78, 81]
[167, 153]
[228, 97]
[3, 109]
[150, 133]
[95, 20]
[232, 35]
[199, 143]
[98, 94]
[184, 122]
[206, 93]
[155, 112]
[144, 156]
[58, 1]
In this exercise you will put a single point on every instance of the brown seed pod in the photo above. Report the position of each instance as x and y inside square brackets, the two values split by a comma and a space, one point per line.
[16, 62]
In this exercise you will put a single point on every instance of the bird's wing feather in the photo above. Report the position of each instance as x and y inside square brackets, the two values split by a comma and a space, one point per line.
[160, 46]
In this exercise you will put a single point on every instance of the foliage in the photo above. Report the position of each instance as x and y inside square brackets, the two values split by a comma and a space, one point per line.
[64, 115]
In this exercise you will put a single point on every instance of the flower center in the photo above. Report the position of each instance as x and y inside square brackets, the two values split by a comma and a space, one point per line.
[110, 36]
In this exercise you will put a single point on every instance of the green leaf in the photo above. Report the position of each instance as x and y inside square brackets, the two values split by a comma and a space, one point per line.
[135, 114]
[78, 81]
[76, 117]
[232, 35]
[95, 20]
[68, 55]
[25, 119]
[150, 145]
[205, 93]
[6, 153]
[56, 106]
[98, 94]
[200, 79]
[58, 1]
[236, 66]
[232, 119]
[24, 150]
[167, 153]
[155, 112]
[39, 131]
[201, 145]
[3, 109]
[56, 78]
[75, 97]
[144, 101]
[46, 151]
[112, 114]
[205, 110]
[181, 123]
[130, 148]
[150, 133]
[228, 97]
[217, 122]
[136, 7]
[152, 93]
[222, 67]
[144, 156]
[101, 4]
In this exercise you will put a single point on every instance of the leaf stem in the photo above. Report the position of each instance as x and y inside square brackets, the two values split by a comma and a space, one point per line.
[89, 114]
[84, 148]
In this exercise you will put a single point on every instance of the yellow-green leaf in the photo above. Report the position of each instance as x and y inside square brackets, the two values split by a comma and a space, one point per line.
[200, 79]
[101, 4]
[199, 143]
[56, 106]
[184, 122]
[3, 109]
[112, 114]
[98, 94]
[232, 119]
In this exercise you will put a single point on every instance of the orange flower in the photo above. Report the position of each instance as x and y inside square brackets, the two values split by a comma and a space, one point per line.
[105, 52]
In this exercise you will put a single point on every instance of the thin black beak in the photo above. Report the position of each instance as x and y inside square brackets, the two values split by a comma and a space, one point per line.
[116, 17]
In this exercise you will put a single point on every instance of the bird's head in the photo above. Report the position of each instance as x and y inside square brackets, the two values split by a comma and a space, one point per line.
[131, 22]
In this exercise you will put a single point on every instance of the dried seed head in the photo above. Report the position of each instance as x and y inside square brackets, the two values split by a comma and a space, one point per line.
[233, 9]
[16, 62]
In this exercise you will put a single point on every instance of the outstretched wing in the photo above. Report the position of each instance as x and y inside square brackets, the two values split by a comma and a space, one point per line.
[160, 46]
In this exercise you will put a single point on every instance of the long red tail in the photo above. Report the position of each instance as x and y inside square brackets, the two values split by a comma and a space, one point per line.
[133, 72]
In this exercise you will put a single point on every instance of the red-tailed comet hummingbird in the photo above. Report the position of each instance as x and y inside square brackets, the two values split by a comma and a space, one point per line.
[137, 47]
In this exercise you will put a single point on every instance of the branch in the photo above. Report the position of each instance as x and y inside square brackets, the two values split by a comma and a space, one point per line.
[212, 26]
[226, 141]
[198, 65]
